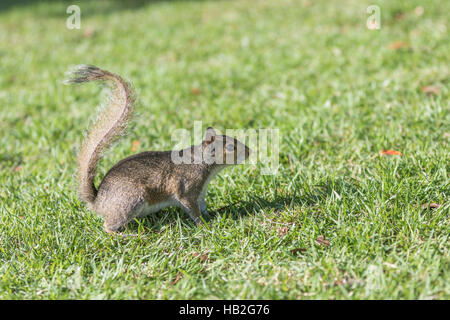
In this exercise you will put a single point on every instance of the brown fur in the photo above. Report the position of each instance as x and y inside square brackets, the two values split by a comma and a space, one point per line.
[149, 181]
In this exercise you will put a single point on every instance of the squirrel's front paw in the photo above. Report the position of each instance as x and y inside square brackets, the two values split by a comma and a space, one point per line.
[206, 216]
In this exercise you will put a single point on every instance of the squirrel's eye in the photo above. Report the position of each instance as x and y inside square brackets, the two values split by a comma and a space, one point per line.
[229, 147]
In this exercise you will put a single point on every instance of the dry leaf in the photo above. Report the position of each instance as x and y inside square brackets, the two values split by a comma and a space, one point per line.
[431, 206]
[283, 231]
[398, 45]
[135, 145]
[202, 257]
[430, 90]
[418, 11]
[21, 217]
[390, 152]
[298, 250]
[196, 91]
[322, 241]
[88, 32]
[341, 282]
[179, 276]
[399, 16]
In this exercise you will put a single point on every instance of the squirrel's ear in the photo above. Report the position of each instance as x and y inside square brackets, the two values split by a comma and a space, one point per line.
[210, 135]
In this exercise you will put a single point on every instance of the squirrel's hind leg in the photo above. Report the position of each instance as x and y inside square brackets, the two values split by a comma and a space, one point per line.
[115, 232]
[117, 214]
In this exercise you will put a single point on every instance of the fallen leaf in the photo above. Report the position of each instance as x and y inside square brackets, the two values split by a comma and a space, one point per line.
[283, 231]
[430, 90]
[322, 241]
[135, 145]
[418, 11]
[399, 16]
[298, 250]
[88, 32]
[398, 45]
[21, 217]
[196, 91]
[339, 282]
[390, 152]
[202, 257]
[179, 276]
[431, 206]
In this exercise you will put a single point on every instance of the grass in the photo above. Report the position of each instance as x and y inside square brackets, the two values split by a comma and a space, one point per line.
[339, 94]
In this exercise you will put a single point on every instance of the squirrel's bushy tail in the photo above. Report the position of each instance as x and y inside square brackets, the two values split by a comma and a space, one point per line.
[111, 123]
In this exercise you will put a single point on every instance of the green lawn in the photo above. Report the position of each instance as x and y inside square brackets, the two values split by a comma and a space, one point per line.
[338, 221]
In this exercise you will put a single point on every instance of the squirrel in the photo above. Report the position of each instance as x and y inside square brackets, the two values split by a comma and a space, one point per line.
[147, 182]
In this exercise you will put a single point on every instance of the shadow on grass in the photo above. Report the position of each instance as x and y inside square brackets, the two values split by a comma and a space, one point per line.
[257, 204]
[318, 195]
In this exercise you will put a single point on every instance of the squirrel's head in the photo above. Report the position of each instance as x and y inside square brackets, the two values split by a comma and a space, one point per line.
[223, 150]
